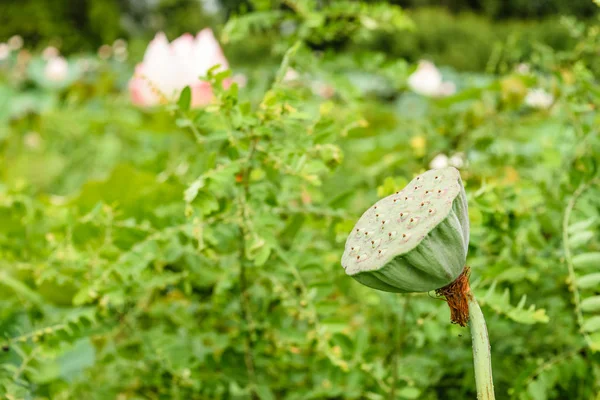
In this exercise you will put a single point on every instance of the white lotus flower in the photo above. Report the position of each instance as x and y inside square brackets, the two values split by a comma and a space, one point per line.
[291, 75]
[4, 51]
[57, 69]
[322, 89]
[32, 140]
[427, 81]
[167, 68]
[15, 42]
[457, 160]
[522, 69]
[439, 161]
[50, 52]
[105, 51]
[539, 98]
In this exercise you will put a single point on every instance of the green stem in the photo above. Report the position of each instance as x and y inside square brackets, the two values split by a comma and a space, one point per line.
[482, 358]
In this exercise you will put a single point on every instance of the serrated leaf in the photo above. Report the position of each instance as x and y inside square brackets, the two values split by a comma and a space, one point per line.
[591, 304]
[500, 303]
[587, 260]
[592, 324]
[589, 281]
[185, 99]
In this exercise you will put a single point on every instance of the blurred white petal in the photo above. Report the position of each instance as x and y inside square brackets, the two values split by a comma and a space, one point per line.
[539, 98]
[4, 51]
[427, 81]
[15, 42]
[57, 69]
[50, 52]
[439, 161]
[457, 160]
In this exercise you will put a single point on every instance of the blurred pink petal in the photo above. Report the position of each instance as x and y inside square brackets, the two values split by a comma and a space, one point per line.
[142, 93]
[169, 67]
[208, 53]
[202, 94]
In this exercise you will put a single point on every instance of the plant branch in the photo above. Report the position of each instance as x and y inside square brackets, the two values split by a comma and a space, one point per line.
[244, 302]
[572, 277]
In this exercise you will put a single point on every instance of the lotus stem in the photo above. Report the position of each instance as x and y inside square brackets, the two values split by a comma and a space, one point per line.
[482, 359]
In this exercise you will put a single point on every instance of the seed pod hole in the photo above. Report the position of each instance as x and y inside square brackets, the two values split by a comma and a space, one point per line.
[375, 243]
[413, 222]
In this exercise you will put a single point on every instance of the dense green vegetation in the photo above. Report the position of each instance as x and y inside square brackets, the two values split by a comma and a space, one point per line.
[465, 35]
[181, 253]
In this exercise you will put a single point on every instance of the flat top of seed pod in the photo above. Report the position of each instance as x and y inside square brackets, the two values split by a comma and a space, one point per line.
[398, 223]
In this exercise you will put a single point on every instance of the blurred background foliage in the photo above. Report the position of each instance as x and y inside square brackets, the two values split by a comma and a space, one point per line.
[461, 34]
[194, 253]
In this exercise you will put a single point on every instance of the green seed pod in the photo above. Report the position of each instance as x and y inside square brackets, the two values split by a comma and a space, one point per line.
[415, 240]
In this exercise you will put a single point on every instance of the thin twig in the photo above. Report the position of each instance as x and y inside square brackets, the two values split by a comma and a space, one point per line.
[24, 364]
[190, 124]
[549, 363]
[244, 303]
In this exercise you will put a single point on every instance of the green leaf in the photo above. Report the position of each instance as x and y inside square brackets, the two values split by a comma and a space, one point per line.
[264, 392]
[285, 63]
[500, 303]
[582, 225]
[409, 393]
[185, 99]
[592, 324]
[580, 238]
[192, 191]
[589, 281]
[591, 304]
[587, 260]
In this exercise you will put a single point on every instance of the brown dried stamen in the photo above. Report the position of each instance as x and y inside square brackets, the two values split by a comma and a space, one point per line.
[457, 295]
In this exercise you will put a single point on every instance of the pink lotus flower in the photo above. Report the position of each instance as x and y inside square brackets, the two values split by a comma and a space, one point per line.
[167, 68]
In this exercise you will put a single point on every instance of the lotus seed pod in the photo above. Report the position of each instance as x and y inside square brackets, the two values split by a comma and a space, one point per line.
[415, 240]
